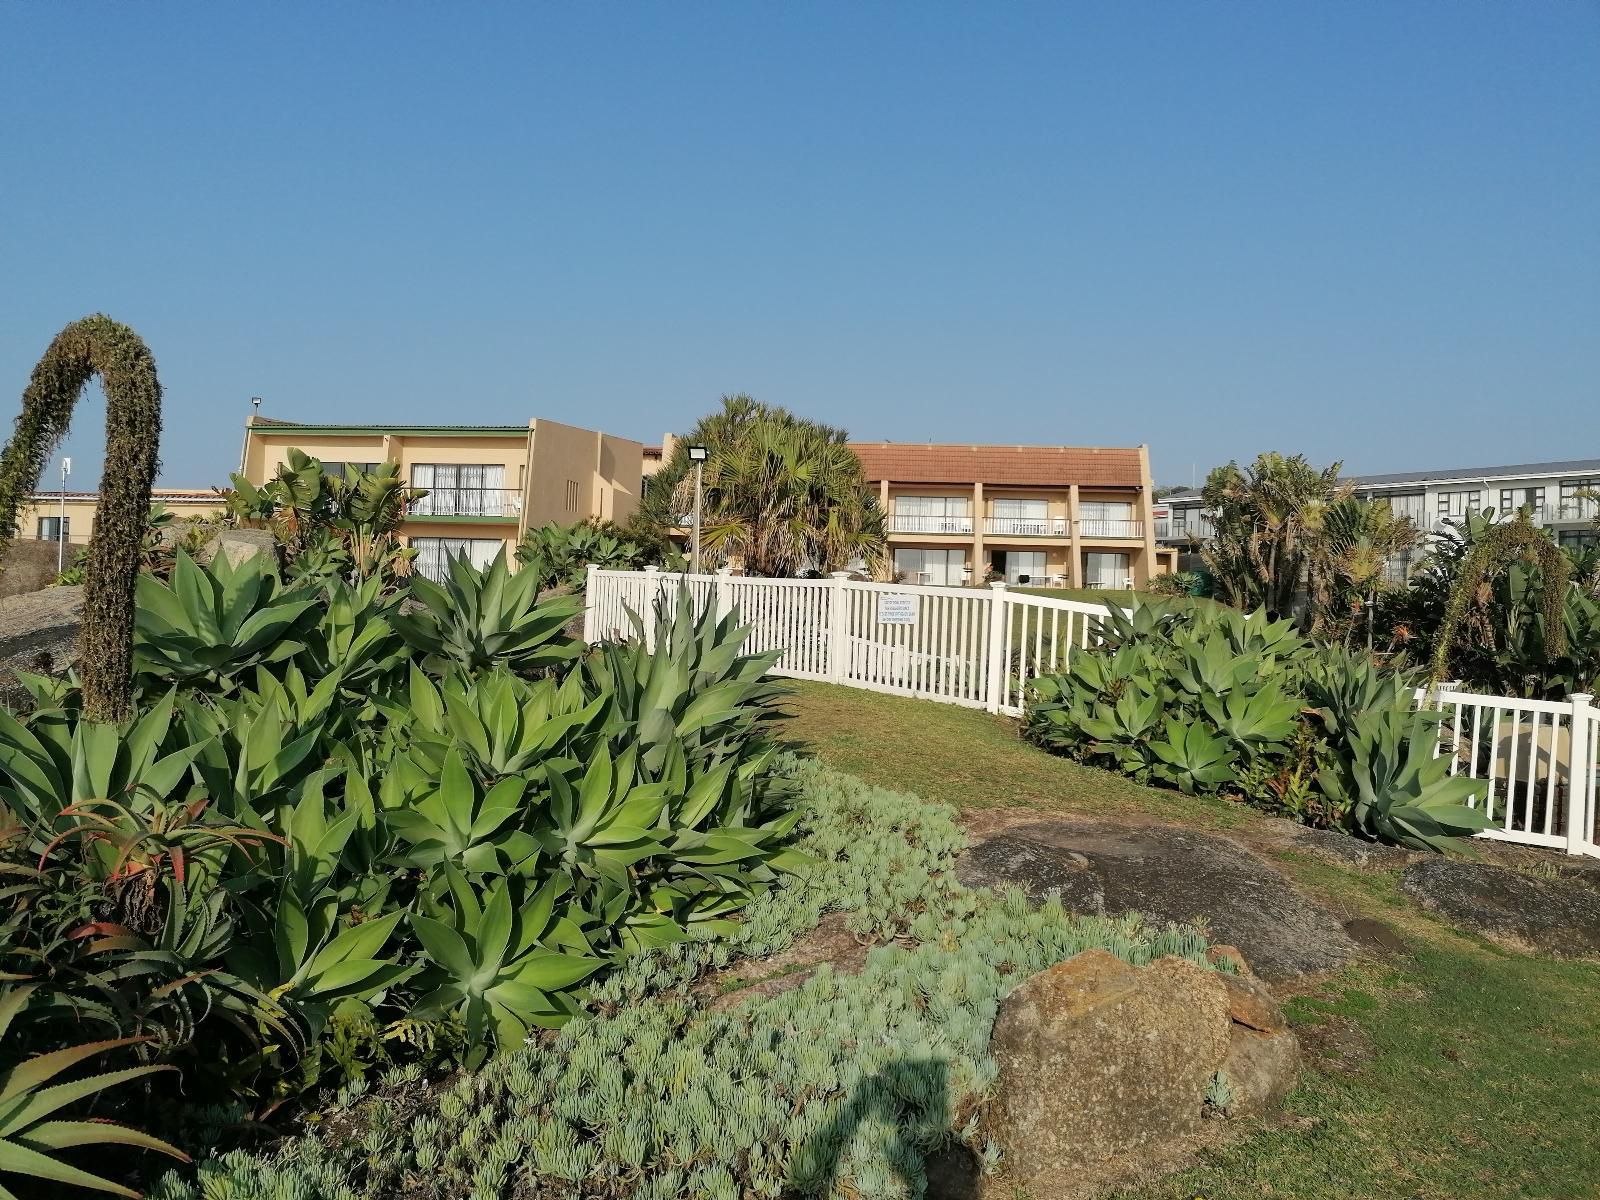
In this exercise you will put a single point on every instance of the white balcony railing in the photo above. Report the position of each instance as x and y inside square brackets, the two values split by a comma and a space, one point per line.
[1025, 526]
[899, 523]
[466, 502]
[1111, 529]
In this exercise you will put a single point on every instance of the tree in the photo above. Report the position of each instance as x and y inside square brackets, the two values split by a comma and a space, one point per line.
[1265, 519]
[1347, 551]
[96, 345]
[783, 493]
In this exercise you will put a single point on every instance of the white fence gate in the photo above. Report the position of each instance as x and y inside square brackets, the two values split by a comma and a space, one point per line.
[976, 647]
[981, 647]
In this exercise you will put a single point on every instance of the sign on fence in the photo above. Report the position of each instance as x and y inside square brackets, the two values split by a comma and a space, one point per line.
[897, 610]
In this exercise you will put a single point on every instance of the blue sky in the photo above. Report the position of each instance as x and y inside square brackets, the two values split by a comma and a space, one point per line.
[1367, 231]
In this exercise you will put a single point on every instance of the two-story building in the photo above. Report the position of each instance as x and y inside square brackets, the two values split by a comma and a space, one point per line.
[1556, 495]
[486, 485]
[1064, 516]
[70, 516]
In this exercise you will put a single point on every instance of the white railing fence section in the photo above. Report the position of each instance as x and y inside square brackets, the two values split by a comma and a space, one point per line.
[973, 646]
[1539, 760]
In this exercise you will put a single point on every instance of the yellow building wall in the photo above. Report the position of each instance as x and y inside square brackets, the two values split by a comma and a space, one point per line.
[82, 511]
[578, 473]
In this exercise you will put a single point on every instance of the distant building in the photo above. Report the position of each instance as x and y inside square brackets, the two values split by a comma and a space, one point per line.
[1549, 491]
[41, 517]
[487, 485]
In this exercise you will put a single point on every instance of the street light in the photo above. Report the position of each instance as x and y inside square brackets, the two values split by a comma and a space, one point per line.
[61, 523]
[697, 455]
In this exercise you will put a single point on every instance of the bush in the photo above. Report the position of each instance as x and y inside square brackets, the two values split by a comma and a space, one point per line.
[333, 836]
[839, 1086]
[1211, 700]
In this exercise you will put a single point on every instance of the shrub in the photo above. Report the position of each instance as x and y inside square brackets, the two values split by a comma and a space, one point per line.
[1211, 700]
[839, 1086]
[559, 555]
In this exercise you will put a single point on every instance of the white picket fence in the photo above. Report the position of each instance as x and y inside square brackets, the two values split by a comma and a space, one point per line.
[980, 647]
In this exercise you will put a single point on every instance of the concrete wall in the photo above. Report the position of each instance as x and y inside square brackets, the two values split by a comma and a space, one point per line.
[578, 473]
[29, 566]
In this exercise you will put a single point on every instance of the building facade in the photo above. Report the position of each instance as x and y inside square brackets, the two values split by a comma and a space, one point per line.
[42, 517]
[1555, 495]
[487, 485]
[1053, 516]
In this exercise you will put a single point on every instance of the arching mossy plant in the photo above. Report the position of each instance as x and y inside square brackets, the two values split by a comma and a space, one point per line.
[96, 345]
[1497, 548]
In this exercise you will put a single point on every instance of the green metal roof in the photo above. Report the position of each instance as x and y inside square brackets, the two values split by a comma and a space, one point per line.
[276, 426]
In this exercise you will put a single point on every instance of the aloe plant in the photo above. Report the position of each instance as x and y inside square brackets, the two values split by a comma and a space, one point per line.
[29, 1128]
[478, 620]
[211, 624]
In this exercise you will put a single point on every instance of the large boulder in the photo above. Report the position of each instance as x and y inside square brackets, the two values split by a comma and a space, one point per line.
[1557, 913]
[240, 544]
[1104, 1068]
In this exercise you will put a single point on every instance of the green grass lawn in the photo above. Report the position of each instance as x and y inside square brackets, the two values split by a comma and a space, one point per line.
[1484, 1074]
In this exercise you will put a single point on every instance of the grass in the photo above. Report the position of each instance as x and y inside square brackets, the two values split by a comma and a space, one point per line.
[1484, 1074]
[1126, 599]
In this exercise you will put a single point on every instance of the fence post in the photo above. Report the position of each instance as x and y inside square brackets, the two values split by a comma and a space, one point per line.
[838, 627]
[721, 599]
[1580, 766]
[998, 652]
[590, 591]
[652, 599]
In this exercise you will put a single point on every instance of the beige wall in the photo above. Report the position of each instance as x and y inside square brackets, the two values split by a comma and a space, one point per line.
[577, 473]
[81, 512]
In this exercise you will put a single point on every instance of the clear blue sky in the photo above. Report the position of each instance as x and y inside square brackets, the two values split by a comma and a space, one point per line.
[1367, 231]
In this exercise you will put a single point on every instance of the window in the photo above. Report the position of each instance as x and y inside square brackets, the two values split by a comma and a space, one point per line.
[1106, 510]
[1575, 507]
[463, 490]
[1458, 504]
[1413, 506]
[1579, 539]
[943, 568]
[1107, 570]
[1021, 566]
[932, 514]
[572, 495]
[336, 470]
[434, 554]
[55, 529]
[1513, 499]
[1023, 517]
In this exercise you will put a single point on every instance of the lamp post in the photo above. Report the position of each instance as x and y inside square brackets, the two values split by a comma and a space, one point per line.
[697, 455]
[61, 521]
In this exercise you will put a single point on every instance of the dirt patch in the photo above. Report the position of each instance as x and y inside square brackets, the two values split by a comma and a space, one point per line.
[1167, 873]
[1378, 936]
[831, 942]
[1336, 1044]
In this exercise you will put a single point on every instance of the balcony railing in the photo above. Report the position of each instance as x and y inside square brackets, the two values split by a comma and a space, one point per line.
[899, 523]
[1111, 529]
[1025, 526]
[467, 502]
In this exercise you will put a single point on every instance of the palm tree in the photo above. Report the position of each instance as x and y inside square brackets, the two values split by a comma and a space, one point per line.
[782, 493]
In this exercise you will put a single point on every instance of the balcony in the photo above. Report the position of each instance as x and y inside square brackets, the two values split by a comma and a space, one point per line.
[1025, 527]
[1110, 529]
[491, 503]
[909, 524]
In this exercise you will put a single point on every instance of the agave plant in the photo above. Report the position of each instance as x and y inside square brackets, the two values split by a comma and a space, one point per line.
[483, 619]
[209, 625]
[30, 1131]
[1193, 759]
[1397, 788]
[561, 554]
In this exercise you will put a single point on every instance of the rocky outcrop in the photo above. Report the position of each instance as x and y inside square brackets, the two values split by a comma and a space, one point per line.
[39, 630]
[1556, 913]
[240, 544]
[1104, 1069]
[1168, 874]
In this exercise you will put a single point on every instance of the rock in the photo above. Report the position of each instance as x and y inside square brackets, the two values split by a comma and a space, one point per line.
[1168, 874]
[31, 565]
[1261, 1068]
[1104, 1066]
[1229, 954]
[1345, 849]
[240, 544]
[39, 630]
[1557, 915]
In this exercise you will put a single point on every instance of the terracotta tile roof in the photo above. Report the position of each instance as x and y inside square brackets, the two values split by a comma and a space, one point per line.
[1056, 466]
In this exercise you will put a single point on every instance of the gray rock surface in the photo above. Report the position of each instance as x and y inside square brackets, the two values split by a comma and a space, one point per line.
[1103, 1069]
[1556, 914]
[240, 544]
[1343, 849]
[1168, 874]
[38, 630]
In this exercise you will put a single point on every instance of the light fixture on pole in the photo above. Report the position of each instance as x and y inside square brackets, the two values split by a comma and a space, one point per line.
[61, 521]
[697, 455]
